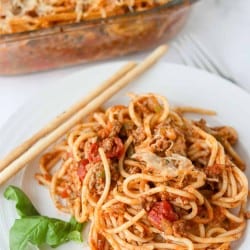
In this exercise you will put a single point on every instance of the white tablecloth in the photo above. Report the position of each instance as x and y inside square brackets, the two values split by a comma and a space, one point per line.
[223, 26]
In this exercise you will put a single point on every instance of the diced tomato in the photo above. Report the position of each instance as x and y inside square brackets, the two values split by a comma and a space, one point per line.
[64, 194]
[82, 171]
[115, 152]
[161, 212]
[93, 155]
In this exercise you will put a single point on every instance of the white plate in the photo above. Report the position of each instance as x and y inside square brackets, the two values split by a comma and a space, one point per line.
[182, 86]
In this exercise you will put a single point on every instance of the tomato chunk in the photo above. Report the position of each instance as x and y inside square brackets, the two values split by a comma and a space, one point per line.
[64, 194]
[117, 149]
[113, 148]
[93, 155]
[82, 171]
[161, 212]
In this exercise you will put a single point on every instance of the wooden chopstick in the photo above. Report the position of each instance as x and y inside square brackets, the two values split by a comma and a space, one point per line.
[45, 142]
[16, 152]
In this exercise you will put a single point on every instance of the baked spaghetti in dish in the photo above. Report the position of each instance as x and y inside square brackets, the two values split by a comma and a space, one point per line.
[38, 35]
[26, 15]
[146, 177]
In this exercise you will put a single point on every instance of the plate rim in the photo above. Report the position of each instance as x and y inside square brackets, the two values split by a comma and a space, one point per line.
[64, 83]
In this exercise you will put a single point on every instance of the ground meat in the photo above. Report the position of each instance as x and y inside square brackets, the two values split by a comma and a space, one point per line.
[219, 216]
[139, 135]
[179, 228]
[179, 145]
[111, 130]
[147, 202]
[116, 127]
[116, 209]
[160, 145]
[114, 170]
[132, 169]
[224, 132]
[227, 133]
[166, 131]
[97, 179]
[169, 139]
[214, 171]
[213, 174]
[107, 144]
[171, 197]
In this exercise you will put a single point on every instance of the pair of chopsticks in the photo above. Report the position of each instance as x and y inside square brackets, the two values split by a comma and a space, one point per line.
[28, 150]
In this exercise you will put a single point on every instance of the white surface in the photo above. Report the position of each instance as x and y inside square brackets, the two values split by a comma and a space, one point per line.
[223, 27]
[182, 85]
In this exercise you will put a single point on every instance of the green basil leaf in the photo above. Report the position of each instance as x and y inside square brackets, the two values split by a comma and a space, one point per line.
[78, 226]
[36, 229]
[24, 206]
[40, 230]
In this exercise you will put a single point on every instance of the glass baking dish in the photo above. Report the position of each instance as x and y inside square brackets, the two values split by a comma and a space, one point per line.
[92, 40]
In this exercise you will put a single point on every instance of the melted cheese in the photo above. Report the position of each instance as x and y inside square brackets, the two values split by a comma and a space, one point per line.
[22, 7]
[26, 5]
[165, 166]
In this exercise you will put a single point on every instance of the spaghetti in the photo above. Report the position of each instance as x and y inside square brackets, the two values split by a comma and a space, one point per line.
[148, 178]
[26, 15]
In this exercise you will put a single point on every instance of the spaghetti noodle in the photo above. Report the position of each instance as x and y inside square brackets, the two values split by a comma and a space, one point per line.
[26, 15]
[148, 178]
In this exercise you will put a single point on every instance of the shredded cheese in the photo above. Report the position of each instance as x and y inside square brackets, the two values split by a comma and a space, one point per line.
[22, 10]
